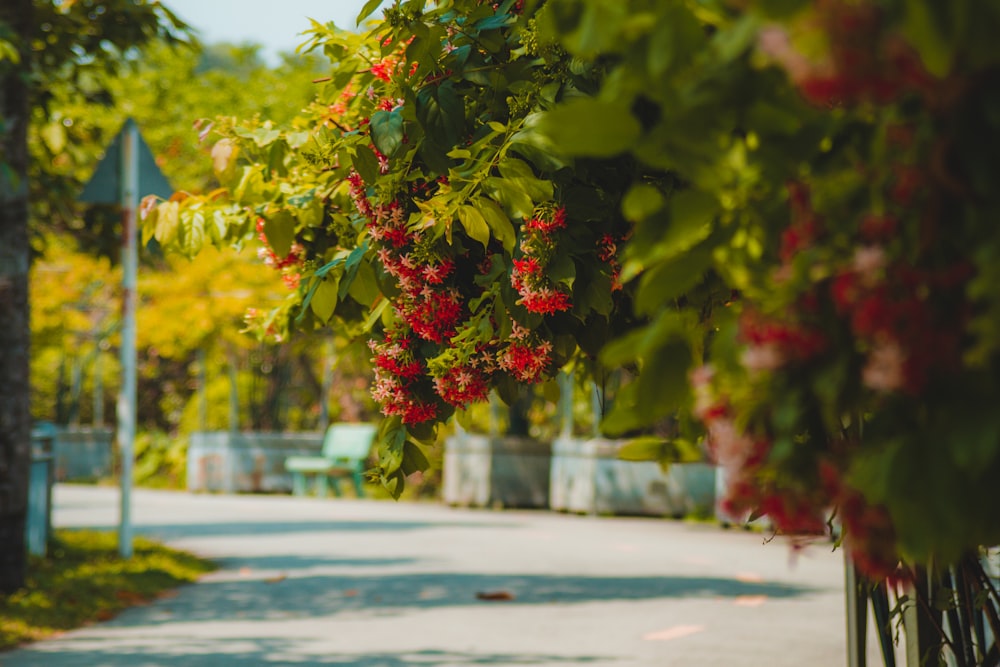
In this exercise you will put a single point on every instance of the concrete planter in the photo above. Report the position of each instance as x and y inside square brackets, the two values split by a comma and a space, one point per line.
[227, 462]
[587, 477]
[488, 471]
[81, 453]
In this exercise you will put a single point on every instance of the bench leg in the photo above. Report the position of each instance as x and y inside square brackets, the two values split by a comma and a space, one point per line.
[298, 484]
[321, 486]
[359, 488]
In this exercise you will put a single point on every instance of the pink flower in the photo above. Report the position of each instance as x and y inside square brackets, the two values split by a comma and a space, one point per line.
[883, 371]
[766, 357]
[869, 263]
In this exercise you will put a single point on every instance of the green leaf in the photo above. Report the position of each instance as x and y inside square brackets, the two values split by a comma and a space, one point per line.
[367, 10]
[498, 221]
[514, 201]
[922, 29]
[249, 190]
[387, 131]
[279, 229]
[414, 459]
[647, 448]
[54, 136]
[665, 282]
[494, 22]
[440, 111]
[218, 225]
[691, 215]
[324, 298]
[147, 226]
[591, 127]
[263, 136]
[364, 287]
[376, 313]
[641, 201]
[192, 235]
[365, 163]
[474, 223]
[663, 381]
[167, 223]
[519, 174]
[391, 443]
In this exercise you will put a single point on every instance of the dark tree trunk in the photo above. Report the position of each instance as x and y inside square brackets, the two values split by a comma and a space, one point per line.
[15, 416]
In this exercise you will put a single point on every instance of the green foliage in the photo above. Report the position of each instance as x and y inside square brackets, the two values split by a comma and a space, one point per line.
[778, 214]
[160, 460]
[431, 168]
[83, 580]
[821, 223]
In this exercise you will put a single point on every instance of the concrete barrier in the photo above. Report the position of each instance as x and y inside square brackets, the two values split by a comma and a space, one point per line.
[588, 478]
[82, 453]
[496, 471]
[227, 462]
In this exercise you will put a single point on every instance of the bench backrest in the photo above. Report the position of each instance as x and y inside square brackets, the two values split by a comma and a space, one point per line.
[348, 441]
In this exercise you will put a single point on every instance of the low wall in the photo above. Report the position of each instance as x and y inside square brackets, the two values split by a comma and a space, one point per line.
[226, 462]
[587, 477]
[81, 453]
[489, 471]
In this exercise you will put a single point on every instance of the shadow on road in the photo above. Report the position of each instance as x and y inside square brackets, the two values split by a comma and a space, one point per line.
[278, 527]
[312, 596]
[281, 651]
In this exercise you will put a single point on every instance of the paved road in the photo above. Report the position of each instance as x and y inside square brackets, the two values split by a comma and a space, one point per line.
[383, 584]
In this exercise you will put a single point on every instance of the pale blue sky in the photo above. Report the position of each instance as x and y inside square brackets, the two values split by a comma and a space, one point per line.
[274, 24]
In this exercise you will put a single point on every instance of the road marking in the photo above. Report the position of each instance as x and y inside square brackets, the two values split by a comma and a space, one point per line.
[675, 632]
[750, 600]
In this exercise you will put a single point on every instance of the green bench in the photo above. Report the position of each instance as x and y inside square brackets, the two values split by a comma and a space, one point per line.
[345, 452]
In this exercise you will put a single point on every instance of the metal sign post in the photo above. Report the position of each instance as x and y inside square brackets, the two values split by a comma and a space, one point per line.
[127, 169]
[127, 394]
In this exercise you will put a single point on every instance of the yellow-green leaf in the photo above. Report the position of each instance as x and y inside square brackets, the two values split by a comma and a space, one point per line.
[324, 299]
[474, 223]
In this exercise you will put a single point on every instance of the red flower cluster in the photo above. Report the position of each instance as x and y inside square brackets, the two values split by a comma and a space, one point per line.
[805, 227]
[607, 252]
[865, 62]
[397, 374]
[869, 532]
[772, 344]
[906, 337]
[538, 293]
[526, 358]
[461, 385]
[288, 265]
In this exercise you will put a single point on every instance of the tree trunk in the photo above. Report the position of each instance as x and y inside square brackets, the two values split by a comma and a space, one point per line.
[15, 415]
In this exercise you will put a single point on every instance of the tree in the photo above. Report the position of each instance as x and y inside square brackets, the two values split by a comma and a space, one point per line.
[41, 42]
[172, 93]
[15, 425]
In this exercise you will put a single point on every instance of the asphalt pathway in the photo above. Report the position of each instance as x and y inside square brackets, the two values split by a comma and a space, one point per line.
[384, 584]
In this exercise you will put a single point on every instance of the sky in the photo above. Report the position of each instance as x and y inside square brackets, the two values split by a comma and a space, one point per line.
[274, 24]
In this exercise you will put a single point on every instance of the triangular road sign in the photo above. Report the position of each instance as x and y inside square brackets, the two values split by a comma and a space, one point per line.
[105, 186]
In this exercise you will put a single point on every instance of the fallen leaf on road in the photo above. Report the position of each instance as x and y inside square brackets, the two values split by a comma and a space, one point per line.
[274, 580]
[350, 593]
[749, 577]
[130, 597]
[750, 600]
[494, 595]
[675, 632]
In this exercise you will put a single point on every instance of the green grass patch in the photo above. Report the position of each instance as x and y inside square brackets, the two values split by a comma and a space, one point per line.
[83, 580]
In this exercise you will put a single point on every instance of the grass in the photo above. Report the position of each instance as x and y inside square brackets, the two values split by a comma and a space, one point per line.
[83, 581]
